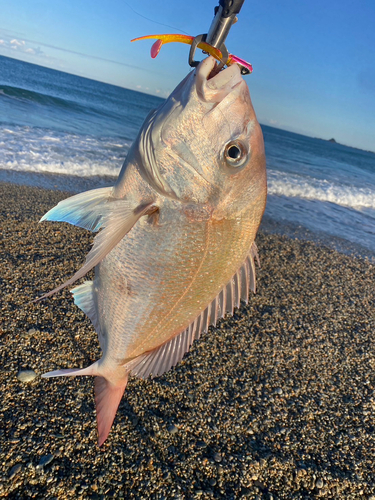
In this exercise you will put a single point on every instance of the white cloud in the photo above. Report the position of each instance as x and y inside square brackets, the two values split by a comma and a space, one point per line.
[21, 46]
[13, 43]
[18, 43]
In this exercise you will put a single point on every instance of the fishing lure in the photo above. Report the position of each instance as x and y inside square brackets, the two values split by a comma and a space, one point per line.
[213, 51]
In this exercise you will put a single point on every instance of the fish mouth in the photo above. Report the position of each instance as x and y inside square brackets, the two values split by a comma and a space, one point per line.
[212, 84]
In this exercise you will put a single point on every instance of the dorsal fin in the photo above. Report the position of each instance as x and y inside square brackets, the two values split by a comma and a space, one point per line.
[161, 359]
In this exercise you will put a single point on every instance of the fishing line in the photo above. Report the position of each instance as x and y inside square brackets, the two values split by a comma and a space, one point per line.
[156, 22]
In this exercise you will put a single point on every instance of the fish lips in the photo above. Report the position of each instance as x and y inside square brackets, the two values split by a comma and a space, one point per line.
[216, 88]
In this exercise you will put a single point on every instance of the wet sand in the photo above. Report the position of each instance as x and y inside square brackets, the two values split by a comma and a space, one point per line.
[278, 401]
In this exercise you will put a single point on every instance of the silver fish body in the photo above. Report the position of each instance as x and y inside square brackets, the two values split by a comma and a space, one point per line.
[176, 250]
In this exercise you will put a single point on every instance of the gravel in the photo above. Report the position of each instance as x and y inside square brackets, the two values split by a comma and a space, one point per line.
[283, 392]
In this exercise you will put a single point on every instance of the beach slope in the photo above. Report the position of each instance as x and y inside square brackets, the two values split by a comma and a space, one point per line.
[278, 401]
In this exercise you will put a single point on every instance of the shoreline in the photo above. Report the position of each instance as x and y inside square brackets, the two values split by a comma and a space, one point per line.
[69, 185]
[278, 401]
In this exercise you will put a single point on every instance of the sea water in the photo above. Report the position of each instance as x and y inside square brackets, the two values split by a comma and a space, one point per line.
[65, 132]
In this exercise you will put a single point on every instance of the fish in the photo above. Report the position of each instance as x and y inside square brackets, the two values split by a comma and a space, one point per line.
[175, 249]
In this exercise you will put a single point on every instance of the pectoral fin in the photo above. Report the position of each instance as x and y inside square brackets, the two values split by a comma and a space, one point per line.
[82, 210]
[117, 218]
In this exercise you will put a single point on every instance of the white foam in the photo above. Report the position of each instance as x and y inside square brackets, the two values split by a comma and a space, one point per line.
[52, 139]
[295, 186]
[33, 150]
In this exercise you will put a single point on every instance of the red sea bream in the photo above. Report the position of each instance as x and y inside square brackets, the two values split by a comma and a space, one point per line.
[176, 249]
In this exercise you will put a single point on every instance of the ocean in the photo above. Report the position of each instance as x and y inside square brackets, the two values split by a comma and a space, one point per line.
[60, 131]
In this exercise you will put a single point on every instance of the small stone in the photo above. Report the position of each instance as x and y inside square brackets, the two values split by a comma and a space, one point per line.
[58, 436]
[212, 482]
[172, 429]
[135, 421]
[201, 444]
[217, 457]
[47, 459]
[300, 473]
[319, 484]
[14, 470]
[31, 331]
[279, 391]
[26, 375]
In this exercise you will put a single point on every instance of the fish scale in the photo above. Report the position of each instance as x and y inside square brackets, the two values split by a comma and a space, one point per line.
[175, 249]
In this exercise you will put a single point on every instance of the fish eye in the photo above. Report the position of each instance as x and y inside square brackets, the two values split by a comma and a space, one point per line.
[235, 154]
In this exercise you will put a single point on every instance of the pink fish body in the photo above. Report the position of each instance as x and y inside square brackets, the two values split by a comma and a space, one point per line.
[176, 248]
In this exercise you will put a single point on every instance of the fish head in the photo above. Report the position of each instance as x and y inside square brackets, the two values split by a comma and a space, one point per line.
[204, 144]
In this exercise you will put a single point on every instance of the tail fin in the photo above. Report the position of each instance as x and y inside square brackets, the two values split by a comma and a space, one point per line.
[72, 372]
[107, 396]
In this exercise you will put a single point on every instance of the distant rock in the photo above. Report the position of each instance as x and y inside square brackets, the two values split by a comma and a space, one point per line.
[332, 140]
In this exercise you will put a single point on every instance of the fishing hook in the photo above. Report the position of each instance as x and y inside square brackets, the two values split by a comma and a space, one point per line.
[225, 16]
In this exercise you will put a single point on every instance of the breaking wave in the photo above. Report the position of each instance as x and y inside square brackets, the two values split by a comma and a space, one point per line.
[294, 186]
[31, 149]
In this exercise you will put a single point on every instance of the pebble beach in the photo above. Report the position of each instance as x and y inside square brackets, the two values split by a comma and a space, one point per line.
[276, 402]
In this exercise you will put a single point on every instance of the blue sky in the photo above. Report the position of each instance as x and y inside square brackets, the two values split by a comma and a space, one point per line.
[314, 62]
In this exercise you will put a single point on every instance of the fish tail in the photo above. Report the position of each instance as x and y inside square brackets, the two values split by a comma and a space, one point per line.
[72, 372]
[107, 398]
[107, 395]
